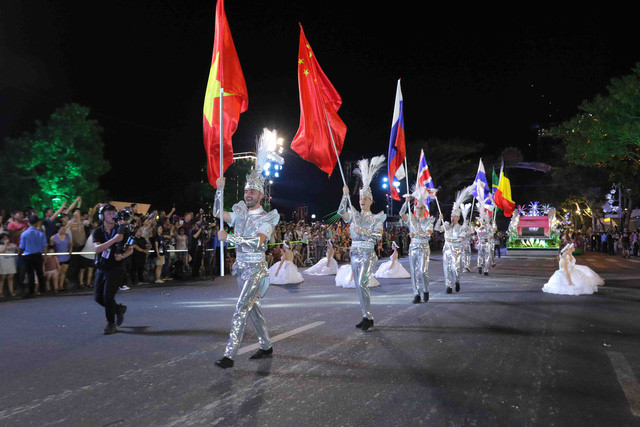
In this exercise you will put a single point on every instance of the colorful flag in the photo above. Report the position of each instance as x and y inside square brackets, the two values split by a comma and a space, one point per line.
[424, 178]
[494, 184]
[320, 125]
[225, 73]
[397, 150]
[481, 189]
[502, 197]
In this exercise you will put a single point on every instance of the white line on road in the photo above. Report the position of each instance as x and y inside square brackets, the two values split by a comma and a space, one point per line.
[627, 380]
[282, 336]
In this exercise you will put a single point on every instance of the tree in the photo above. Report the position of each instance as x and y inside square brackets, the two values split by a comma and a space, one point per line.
[606, 135]
[61, 159]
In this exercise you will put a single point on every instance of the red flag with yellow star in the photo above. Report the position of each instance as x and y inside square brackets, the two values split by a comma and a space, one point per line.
[225, 73]
[319, 120]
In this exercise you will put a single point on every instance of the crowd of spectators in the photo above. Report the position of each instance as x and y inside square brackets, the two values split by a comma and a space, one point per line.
[168, 246]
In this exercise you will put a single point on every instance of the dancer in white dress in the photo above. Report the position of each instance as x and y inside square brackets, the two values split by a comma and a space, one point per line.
[327, 266]
[285, 272]
[344, 278]
[572, 279]
[392, 269]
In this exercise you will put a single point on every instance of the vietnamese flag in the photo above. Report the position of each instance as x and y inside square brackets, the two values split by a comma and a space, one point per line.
[225, 73]
[320, 126]
[502, 197]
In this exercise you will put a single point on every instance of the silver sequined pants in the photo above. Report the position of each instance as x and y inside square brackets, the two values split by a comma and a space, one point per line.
[466, 256]
[419, 263]
[485, 254]
[251, 281]
[451, 257]
[362, 262]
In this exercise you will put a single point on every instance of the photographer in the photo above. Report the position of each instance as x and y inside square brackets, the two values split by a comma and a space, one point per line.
[111, 249]
[198, 238]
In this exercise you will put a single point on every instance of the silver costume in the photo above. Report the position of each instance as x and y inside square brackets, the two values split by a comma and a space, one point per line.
[250, 269]
[454, 236]
[485, 246]
[466, 251]
[365, 229]
[420, 229]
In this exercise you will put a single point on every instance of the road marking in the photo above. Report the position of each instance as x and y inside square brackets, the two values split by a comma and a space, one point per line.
[282, 336]
[627, 380]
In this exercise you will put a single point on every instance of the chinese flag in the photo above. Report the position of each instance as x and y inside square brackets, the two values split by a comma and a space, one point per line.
[319, 120]
[225, 73]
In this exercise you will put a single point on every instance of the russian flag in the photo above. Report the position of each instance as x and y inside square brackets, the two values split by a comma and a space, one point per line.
[397, 149]
[424, 177]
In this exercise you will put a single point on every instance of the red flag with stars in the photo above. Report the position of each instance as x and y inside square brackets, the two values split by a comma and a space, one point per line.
[319, 120]
[225, 73]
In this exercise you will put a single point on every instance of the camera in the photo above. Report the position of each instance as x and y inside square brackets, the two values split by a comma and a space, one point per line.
[123, 215]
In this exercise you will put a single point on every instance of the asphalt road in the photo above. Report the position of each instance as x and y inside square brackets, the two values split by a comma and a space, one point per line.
[499, 352]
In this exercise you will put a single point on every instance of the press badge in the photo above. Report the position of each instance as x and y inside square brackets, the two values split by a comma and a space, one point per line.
[105, 254]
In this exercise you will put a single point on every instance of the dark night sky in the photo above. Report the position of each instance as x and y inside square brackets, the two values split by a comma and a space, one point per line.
[480, 74]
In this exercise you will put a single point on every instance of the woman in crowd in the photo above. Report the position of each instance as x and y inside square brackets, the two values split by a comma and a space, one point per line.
[7, 264]
[61, 242]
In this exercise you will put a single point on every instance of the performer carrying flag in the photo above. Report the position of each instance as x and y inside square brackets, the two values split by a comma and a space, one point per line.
[481, 190]
[397, 150]
[502, 196]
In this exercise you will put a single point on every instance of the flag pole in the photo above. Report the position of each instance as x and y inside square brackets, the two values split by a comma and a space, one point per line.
[406, 176]
[221, 122]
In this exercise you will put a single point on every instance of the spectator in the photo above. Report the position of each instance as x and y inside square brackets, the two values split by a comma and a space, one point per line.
[7, 264]
[160, 250]
[138, 258]
[61, 243]
[51, 266]
[32, 244]
[78, 240]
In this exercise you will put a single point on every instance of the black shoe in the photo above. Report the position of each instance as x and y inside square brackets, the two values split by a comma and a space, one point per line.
[225, 363]
[260, 354]
[120, 314]
[359, 325]
[479, 270]
[486, 274]
[366, 324]
[426, 297]
[449, 290]
[110, 329]
[457, 286]
[416, 299]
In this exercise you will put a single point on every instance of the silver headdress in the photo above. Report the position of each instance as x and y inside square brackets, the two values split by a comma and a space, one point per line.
[366, 170]
[264, 153]
[461, 196]
[421, 194]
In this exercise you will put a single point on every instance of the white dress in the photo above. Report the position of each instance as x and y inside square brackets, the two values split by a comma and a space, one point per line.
[344, 278]
[585, 280]
[397, 272]
[321, 269]
[287, 275]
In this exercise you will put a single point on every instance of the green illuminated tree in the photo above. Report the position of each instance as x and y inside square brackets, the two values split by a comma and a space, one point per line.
[60, 159]
[606, 135]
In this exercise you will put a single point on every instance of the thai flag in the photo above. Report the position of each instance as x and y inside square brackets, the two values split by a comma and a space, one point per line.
[424, 177]
[481, 190]
[397, 150]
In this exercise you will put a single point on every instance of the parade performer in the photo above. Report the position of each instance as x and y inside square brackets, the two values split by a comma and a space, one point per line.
[252, 228]
[285, 271]
[570, 278]
[465, 258]
[484, 233]
[327, 266]
[392, 269]
[454, 234]
[420, 230]
[365, 229]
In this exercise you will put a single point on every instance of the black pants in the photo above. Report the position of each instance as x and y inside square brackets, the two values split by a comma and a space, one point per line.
[138, 263]
[105, 287]
[33, 265]
[196, 262]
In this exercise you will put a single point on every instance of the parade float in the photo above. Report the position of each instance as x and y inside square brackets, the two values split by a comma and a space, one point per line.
[534, 231]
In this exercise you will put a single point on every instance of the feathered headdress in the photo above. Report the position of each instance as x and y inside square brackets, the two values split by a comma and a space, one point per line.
[461, 196]
[264, 154]
[483, 214]
[367, 170]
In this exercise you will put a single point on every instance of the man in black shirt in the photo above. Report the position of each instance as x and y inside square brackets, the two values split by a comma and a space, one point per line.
[108, 239]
